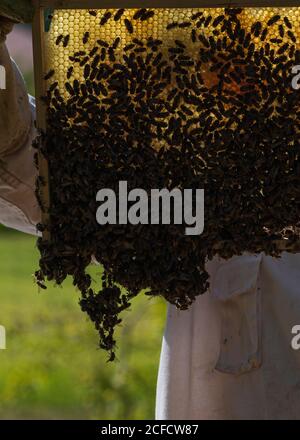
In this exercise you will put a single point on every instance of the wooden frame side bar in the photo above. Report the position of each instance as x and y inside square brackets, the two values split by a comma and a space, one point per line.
[39, 72]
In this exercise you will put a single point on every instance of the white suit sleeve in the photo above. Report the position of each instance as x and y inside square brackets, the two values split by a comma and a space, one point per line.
[18, 205]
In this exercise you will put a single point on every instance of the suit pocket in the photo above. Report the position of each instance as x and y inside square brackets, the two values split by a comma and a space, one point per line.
[235, 286]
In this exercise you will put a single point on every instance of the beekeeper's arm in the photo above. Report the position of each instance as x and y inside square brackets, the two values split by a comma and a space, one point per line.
[18, 205]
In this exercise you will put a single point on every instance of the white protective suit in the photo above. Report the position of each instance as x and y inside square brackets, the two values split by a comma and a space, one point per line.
[230, 355]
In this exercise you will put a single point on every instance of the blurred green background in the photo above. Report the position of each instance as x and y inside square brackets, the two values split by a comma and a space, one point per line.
[52, 368]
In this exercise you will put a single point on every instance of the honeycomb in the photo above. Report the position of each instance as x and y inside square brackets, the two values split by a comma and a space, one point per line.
[72, 42]
[76, 22]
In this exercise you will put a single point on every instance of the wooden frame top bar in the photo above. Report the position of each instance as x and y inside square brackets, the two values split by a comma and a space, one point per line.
[115, 4]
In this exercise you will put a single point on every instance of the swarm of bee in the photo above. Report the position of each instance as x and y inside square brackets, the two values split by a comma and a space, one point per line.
[168, 99]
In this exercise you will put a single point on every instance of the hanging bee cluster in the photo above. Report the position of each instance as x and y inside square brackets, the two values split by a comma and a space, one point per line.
[168, 99]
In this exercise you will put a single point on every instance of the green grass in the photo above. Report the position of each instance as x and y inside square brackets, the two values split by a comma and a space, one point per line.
[52, 367]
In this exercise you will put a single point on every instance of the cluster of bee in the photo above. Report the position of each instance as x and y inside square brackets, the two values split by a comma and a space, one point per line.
[225, 119]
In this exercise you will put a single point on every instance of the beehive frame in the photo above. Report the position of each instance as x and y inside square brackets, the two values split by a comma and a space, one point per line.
[39, 55]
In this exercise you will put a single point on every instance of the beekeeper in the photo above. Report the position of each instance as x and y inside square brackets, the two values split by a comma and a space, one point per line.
[18, 207]
[235, 354]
